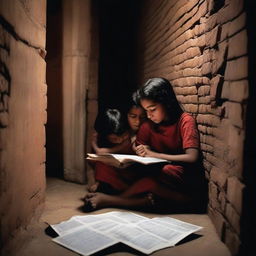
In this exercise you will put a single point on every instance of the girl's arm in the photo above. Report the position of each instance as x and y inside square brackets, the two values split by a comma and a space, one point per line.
[190, 155]
[120, 148]
[115, 149]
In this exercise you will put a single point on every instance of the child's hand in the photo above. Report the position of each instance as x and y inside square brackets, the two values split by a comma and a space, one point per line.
[143, 150]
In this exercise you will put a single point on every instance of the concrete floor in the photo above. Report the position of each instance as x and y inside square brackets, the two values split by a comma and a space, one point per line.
[63, 200]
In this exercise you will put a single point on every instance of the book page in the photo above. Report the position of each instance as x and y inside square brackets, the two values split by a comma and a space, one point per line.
[136, 238]
[134, 158]
[127, 217]
[106, 158]
[178, 226]
[114, 217]
[170, 235]
[123, 160]
[85, 241]
[65, 226]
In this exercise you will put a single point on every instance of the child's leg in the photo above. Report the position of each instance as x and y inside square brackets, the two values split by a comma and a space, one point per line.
[109, 175]
[91, 181]
[100, 200]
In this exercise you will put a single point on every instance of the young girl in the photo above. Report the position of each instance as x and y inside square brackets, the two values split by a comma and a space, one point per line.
[111, 135]
[135, 116]
[171, 134]
[115, 133]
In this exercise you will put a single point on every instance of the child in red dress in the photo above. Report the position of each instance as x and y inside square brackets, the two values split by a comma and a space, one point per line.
[111, 136]
[115, 133]
[171, 134]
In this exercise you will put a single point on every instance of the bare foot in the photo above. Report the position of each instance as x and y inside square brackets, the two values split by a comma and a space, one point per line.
[99, 200]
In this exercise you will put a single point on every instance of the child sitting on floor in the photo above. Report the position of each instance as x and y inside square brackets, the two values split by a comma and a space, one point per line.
[115, 133]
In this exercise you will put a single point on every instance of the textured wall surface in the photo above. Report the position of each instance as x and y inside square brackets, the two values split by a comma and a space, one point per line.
[201, 47]
[22, 113]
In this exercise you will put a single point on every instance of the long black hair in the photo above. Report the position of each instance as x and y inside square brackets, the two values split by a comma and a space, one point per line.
[160, 90]
[110, 121]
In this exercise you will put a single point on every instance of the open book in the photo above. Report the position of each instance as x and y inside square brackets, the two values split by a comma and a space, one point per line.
[89, 234]
[122, 160]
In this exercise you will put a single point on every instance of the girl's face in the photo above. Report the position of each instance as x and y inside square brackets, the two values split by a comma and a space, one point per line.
[135, 117]
[155, 111]
[117, 139]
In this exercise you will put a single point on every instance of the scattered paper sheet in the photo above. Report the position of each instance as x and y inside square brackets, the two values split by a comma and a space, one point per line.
[88, 234]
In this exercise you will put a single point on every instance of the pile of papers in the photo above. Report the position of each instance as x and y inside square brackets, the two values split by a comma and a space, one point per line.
[89, 234]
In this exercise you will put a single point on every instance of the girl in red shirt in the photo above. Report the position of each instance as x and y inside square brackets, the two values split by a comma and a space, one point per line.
[171, 134]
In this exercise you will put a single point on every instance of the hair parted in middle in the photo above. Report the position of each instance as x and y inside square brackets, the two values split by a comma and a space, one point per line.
[160, 90]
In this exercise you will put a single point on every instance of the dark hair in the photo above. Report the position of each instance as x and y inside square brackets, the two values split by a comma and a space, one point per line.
[130, 103]
[160, 90]
[110, 121]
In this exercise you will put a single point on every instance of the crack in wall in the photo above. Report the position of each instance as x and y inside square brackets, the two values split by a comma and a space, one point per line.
[10, 29]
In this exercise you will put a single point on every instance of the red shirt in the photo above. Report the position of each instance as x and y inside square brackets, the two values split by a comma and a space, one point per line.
[170, 139]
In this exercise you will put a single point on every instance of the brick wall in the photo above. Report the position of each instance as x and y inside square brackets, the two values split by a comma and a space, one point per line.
[22, 113]
[201, 47]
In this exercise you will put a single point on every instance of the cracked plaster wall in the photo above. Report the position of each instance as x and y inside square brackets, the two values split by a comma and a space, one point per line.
[22, 113]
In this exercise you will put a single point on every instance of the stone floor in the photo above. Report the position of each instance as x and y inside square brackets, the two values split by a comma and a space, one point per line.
[63, 200]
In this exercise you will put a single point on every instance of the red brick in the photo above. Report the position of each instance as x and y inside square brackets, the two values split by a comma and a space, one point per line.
[206, 68]
[237, 45]
[213, 196]
[204, 109]
[233, 217]
[204, 90]
[230, 11]
[208, 55]
[220, 177]
[191, 108]
[221, 150]
[210, 130]
[235, 113]
[202, 128]
[219, 56]
[237, 91]
[216, 161]
[193, 63]
[208, 119]
[237, 24]
[186, 90]
[218, 221]
[214, 86]
[235, 193]
[225, 90]
[204, 100]
[211, 22]
[218, 111]
[206, 148]
[223, 201]
[211, 37]
[237, 69]
[207, 165]
[224, 31]
[236, 143]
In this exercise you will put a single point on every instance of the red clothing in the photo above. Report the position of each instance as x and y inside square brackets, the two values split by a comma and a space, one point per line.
[172, 139]
[169, 139]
